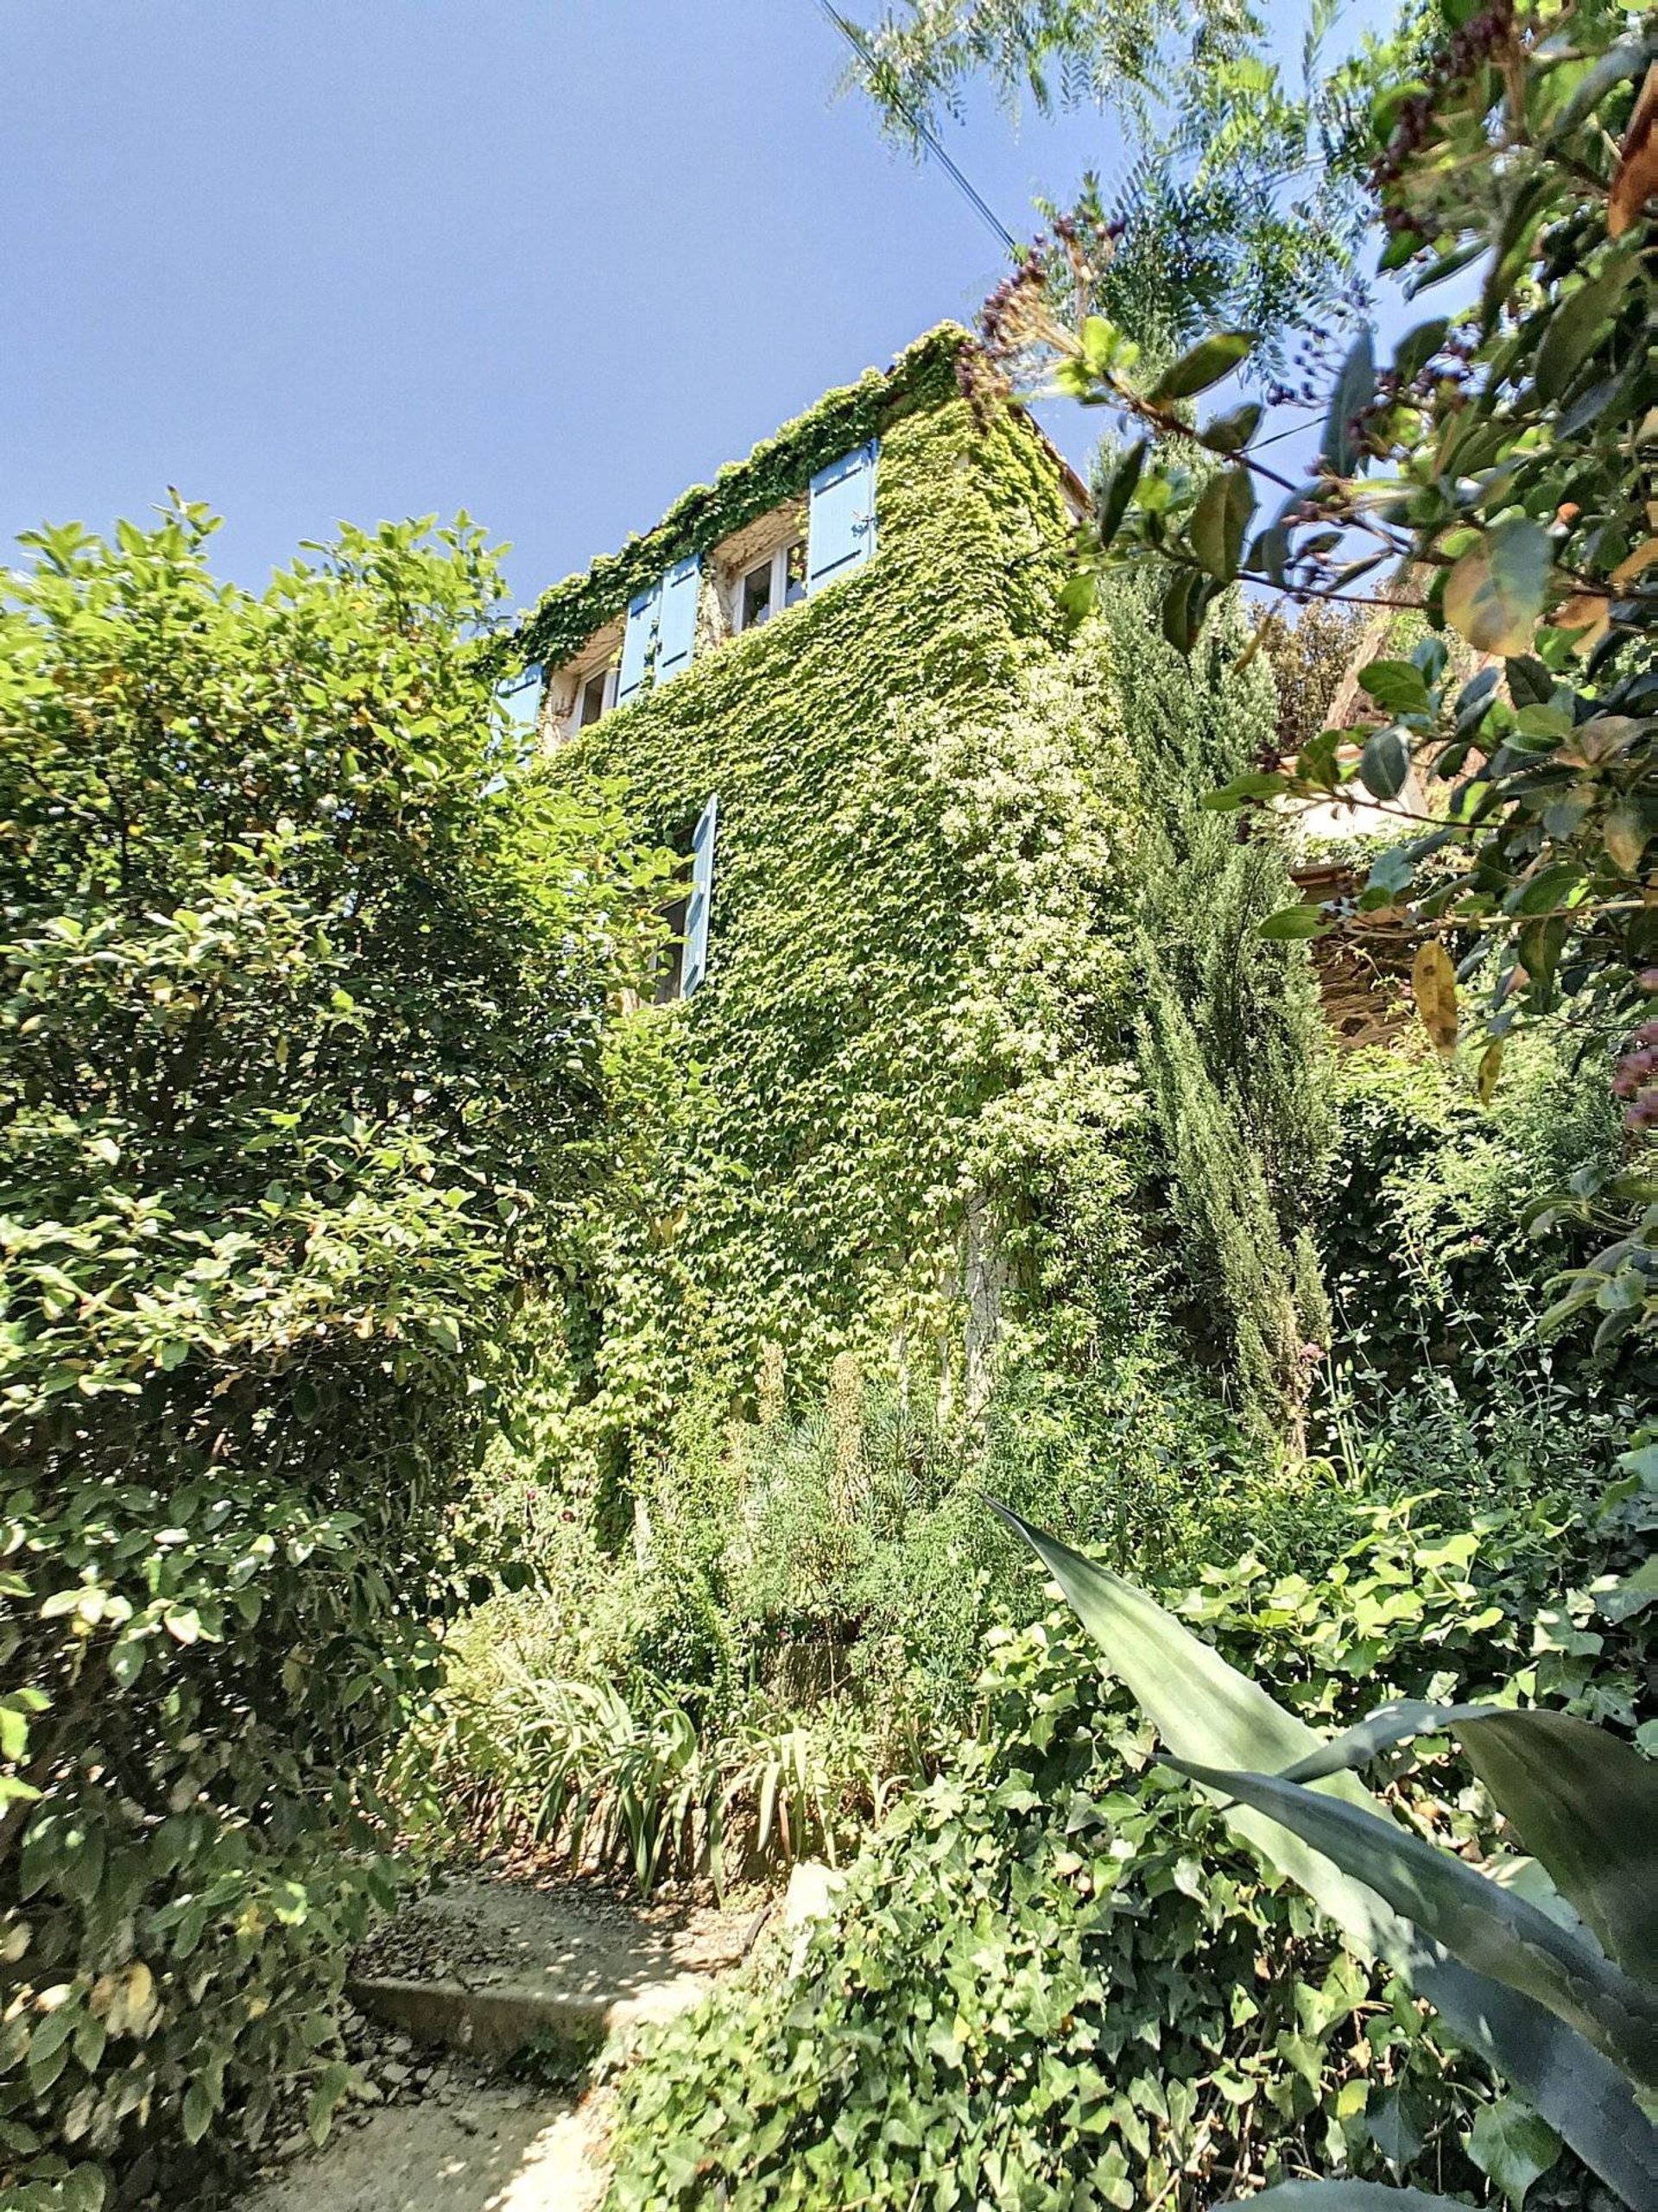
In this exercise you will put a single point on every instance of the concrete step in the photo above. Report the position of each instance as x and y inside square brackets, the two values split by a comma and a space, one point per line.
[503, 2017]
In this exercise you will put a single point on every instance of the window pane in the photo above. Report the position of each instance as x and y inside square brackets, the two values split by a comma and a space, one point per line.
[757, 595]
[592, 698]
[795, 573]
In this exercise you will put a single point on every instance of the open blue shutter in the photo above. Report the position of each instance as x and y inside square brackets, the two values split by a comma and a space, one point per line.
[841, 536]
[637, 641]
[676, 626]
[695, 963]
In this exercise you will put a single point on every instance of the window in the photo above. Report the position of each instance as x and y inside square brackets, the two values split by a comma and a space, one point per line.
[776, 582]
[598, 694]
[683, 962]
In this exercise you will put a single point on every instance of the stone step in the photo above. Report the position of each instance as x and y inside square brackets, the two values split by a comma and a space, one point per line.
[502, 2017]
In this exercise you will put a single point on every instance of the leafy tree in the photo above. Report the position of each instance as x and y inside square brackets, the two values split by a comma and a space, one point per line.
[1495, 478]
[303, 968]
[1239, 200]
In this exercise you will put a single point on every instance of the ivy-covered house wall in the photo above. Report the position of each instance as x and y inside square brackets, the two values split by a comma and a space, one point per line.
[899, 1117]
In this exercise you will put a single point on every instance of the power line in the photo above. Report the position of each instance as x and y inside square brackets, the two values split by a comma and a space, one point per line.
[923, 130]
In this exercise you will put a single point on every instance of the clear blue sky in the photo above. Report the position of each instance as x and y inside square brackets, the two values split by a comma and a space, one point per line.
[549, 260]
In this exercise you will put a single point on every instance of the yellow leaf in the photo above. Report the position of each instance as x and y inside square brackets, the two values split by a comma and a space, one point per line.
[1635, 178]
[1433, 983]
[1495, 594]
[1625, 837]
[1490, 1066]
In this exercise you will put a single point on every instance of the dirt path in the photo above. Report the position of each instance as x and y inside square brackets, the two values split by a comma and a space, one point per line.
[462, 1979]
[491, 2148]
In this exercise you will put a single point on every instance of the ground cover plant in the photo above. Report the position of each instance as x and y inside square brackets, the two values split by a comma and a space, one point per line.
[301, 975]
[1053, 1980]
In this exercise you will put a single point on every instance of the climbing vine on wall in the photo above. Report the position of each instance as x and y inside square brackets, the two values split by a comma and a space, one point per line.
[902, 1116]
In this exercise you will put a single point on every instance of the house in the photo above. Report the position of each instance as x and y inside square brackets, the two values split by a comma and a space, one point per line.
[883, 1107]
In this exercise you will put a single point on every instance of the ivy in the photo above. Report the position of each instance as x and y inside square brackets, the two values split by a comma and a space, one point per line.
[777, 469]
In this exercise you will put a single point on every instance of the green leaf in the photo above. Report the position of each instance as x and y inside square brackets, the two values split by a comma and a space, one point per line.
[1206, 1710]
[1491, 1929]
[1384, 764]
[1231, 434]
[1354, 389]
[1494, 596]
[1112, 504]
[1418, 346]
[1291, 922]
[1392, 2127]
[1219, 521]
[1577, 327]
[1398, 686]
[1182, 608]
[1204, 364]
[1513, 2145]
[198, 2111]
[1628, 58]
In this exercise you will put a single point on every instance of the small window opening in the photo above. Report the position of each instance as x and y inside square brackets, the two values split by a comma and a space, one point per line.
[595, 699]
[777, 582]
[670, 959]
[756, 596]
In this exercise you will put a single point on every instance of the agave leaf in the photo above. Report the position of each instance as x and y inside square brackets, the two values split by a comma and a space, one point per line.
[1206, 1710]
[1489, 1928]
[1580, 1799]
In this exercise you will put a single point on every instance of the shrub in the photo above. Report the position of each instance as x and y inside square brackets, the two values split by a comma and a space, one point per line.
[1054, 1981]
[301, 976]
[624, 1772]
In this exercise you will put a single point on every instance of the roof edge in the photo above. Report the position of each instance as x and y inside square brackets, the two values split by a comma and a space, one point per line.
[566, 616]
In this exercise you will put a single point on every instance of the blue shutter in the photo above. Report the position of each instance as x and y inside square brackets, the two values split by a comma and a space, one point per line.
[638, 642]
[676, 626]
[694, 966]
[841, 536]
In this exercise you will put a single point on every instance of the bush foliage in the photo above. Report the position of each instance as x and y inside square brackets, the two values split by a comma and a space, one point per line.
[301, 971]
[1054, 1981]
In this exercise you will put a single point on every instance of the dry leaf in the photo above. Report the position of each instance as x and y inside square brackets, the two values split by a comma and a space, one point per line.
[1434, 982]
[1640, 560]
[1635, 178]
[1624, 833]
[1588, 613]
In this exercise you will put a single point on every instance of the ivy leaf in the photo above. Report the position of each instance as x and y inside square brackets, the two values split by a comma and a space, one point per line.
[1513, 2145]
[1206, 362]
[1494, 596]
